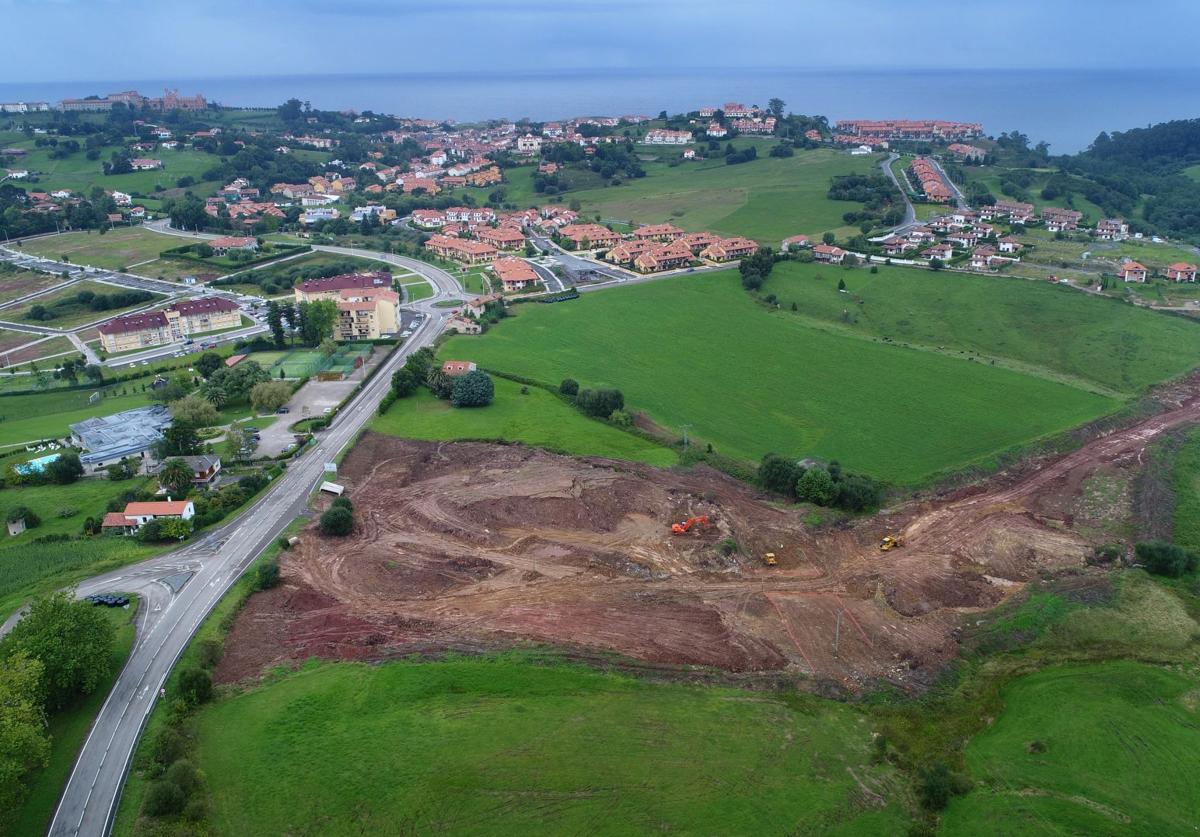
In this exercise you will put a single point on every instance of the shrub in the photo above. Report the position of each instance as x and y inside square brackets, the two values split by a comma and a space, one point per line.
[267, 575]
[937, 785]
[184, 776]
[209, 651]
[569, 387]
[169, 746]
[816, 486]
[24, 513]
[195, 685]
[337, 521]
[600, 403]
[474, 389]
[342, 502]
[164, 799]
[1165, 558]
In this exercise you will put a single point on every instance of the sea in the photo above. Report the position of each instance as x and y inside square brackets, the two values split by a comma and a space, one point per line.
[1066, 108]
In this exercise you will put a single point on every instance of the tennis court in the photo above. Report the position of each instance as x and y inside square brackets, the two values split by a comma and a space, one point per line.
[303, 363]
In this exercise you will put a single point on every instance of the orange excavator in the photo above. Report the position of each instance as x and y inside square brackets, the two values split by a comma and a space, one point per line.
[686, 526]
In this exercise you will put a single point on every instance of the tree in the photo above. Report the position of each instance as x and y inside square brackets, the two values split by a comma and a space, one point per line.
[176, 476]
[816, 486]
[208, 363]
[569, 387]
[71, 639]
[266, 575]
[829, 238]
[180, 439]
[600, 403]
[778, 474]
[176, 387]
[328, 347]
[776, 105]
[196, 411]
[474, 389]
[164, 799]
[195, 685]
[404, 382]
[317, 320]
[857, 493]
[269, 396]
[275, 322]
[237, 439]
[1165, 558]
[337, 521]
[66, 469]
[23, 742]
[841, 284]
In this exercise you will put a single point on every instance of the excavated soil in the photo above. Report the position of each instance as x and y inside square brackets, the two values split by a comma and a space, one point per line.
[466, 546]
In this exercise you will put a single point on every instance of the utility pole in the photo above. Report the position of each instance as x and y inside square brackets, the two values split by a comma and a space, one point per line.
[685, 429]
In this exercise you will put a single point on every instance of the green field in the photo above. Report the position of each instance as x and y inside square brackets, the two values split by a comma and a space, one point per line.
[35, 416]
[538, 419]
[1119, 761]
[1186, 482]
[87, 497]
[498, 745]
[991, 177]
[15, 282]
[1045, 329]
[417, 291]
[70, 315]
[767, 199]
[67, 730]
[80, 174]
[698, 350]
[116, 248]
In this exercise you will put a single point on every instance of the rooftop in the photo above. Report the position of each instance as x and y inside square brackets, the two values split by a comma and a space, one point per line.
[121, 434]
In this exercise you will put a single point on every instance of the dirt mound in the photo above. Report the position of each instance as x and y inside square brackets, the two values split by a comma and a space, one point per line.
[477, 546]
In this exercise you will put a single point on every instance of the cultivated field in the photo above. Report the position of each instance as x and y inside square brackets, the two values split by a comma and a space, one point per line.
[504, 745]
[1043, 329]
[767, 199]
[538, 419]
[697, 350]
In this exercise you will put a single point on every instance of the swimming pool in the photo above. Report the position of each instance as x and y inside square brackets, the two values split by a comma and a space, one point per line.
[36, 466]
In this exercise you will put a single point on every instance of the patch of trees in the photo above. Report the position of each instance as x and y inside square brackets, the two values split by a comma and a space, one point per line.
[733, 157]
[1165, 559]
[820, 485]
[58, 653]
[234, 385]
[90, 301]
[755, 269]
[880, 198]
[338, 519]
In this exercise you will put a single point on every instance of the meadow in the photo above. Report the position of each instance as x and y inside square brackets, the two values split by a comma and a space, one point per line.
[698, 350]
[85, 498]
[67, 312]
[504, 745]
[991, 176]
[1048, 330]
[766, 199]
[114, 249]
[1119, 762]
[45, 415]
[538, 418]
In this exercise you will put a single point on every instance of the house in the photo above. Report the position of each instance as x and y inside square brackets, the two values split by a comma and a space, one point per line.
[728, 249]
[205, 469]
[593, 235]
[894, 245]
[226, 243]
[716, 130]
[689, 154]
[461, 249]
[625, 252]
[1133, 272]
[1112, 229]
[697, 241]
[941, 252]
[829, 253]
[429, 218]
[674, 255]
[108, 439]
[795, 242]
[479, 304]
[454, 368]
[514, 274]
[981, 258]
[663, 136]
[1008, 244]
[463, 325]
[1061, 220]
[319, 215]
[145, 164]
[967, 152]
[657, 232]
[1181, 272]
[137, 515]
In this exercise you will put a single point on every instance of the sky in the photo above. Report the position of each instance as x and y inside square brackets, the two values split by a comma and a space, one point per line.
[135, 39]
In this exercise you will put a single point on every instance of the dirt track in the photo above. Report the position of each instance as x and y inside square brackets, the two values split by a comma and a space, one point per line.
[478, 546]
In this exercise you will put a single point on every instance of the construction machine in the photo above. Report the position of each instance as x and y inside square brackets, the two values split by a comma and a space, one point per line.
[890, 542]
[686, 526]
[769, 558]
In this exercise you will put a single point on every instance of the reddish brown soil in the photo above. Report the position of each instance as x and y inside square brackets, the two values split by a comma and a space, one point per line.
[475, 546]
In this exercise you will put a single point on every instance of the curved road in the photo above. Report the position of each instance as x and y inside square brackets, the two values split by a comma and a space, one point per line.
[179, 589]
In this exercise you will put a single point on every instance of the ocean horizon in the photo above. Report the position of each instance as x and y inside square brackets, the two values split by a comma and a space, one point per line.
[1066, 108]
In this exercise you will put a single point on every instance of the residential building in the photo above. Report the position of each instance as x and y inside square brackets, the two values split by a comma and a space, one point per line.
[668, 257]
[941, 252]
[591, 235]
[108, 439]
[479, 304]
[227, 243]
[1181, 272]
[727, 249]
[145, 164]
[319, 215]
[514, 274]
[657, 232]
[331, 287]
[1008, 244]
[1061, 220]
[454, 368]
[461, 249]
[663, 136]
[716, 130]
[367, 313]
[206, 469]
[1112, 229]
[429, 218]
[1133, 272]
[156, 328]
[972, 153]
[795, 242]
[910, 129]
[829, 253]
[137, 515]
[502, 238]
[529, 145]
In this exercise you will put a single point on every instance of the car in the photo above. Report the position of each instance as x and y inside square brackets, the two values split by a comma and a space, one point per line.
[283, 411]
[327, 410]
[145, 363]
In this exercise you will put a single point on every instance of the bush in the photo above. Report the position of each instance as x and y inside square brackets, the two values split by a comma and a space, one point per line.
[164, 799]
[857, 493]
[474, 389]
[569, 387]
[778, 474]
[816, 486]
[937, 785]
[209, 651]
[1165, 558]
[24, 513]
[169, 746]
[600, 403]
[337, 521]
[267, 575]
[184, 776]
[342, 502]
[195, 685]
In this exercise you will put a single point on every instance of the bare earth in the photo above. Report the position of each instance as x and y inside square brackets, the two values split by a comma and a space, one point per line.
[475, 546]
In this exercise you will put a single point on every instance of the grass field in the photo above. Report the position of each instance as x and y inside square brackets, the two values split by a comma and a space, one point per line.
[68, 729]
[1120, 761]
[70, 315]
[502, 746]
[46, 415]
[116, 248]
[80, 174]
[991, 177]
[278, 277]
[417, 291]
[767, 199]
[1186, 481]
[15, 282]
[539, 419]
[86, 497]
[1045, 329]
[698, 350]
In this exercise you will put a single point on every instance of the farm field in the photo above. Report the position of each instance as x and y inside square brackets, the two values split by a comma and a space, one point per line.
[538, 419]
[767, 199]
[67, 730]
[1133, 778]
[71, 314]
[466, 744]
[116, 248]
[789, 387]
[1048, 330]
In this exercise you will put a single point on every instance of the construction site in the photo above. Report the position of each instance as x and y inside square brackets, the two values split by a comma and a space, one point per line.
[476, 547]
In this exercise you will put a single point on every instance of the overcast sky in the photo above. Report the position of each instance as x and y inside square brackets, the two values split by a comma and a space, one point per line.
[69, 40]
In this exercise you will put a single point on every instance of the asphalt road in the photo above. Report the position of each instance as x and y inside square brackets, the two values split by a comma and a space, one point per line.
[179, 589]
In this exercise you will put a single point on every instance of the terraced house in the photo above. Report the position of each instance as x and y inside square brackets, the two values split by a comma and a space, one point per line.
[181, 320]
